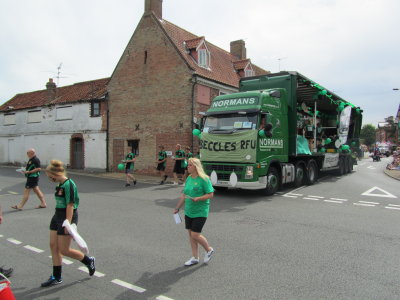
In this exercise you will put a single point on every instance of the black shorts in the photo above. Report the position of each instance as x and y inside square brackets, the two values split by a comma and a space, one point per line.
[161, 167]
[31, 182]
[195, 224]
[59, 218]
[178, 167]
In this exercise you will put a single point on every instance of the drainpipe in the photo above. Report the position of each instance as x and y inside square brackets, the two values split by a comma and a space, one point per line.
[194, 81]
[107, 137]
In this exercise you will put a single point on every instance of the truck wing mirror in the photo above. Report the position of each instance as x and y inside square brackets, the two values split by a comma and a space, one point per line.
[275, 94]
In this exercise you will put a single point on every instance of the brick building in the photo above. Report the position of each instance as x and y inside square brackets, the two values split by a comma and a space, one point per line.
[164, 78]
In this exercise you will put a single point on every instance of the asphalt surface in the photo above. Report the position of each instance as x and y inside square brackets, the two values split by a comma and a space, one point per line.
[337, 239]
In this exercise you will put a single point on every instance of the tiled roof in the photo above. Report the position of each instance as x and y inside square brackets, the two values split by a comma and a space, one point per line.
[241, 64]
[194, 43]
[221, 62]
[82, 91]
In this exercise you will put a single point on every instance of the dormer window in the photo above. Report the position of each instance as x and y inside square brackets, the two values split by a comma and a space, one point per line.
[248, 73]
[203, 58]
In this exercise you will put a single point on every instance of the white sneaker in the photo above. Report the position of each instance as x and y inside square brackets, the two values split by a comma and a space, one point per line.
[192, 261]
[208, 256]
[175, 183]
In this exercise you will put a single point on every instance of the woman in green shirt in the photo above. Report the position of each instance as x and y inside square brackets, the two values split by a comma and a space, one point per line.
[67, 202]
[196, 196]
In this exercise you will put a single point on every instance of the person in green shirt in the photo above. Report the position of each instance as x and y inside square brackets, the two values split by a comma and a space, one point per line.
[67, 202]
[188, 154]
[178, 167]
[162, 163]
[129, 161]
[196, 197]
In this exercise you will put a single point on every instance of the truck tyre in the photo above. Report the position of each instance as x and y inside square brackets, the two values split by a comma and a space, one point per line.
[351, 161]
[312, 172]
[300, 174]
[272, 182]
[220, 188]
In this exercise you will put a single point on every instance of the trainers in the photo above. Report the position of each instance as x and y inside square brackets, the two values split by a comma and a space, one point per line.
[91, 267]
[162, 182]
[127, 184]
[192, 261]
[208, 256]
[134, 183]
[51, 281]
[175, 183]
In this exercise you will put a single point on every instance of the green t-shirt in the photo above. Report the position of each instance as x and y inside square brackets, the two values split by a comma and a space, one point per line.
[180, 154]
[161, 156]
[189, 155]
[197, 187]
[67, 192]
[130, 165]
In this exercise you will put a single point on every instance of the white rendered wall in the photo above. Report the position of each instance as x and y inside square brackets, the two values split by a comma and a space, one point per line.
[51, 138]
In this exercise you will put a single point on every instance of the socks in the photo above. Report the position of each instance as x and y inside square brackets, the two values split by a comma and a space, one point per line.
[57, 272]
[85, 260]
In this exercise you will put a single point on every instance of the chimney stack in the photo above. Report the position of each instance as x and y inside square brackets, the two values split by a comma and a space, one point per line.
[238, 49]
[154, 6]
[51, 90]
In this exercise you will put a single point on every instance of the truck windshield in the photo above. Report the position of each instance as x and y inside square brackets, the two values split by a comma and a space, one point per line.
[230, 122]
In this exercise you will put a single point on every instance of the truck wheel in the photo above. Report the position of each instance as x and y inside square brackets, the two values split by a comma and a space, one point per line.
[272, 182]
[351, 161]
[312, 172]
[300, 174]
[220, 188]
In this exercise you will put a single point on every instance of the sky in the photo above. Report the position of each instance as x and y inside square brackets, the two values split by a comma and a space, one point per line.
[351, 47]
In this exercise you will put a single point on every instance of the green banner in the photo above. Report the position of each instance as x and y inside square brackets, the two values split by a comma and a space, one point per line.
[234, 147]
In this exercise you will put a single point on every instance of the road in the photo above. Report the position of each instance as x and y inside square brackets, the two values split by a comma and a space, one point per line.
[337, 239]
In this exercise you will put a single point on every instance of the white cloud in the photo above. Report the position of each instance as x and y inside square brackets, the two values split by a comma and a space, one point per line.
[350, 47]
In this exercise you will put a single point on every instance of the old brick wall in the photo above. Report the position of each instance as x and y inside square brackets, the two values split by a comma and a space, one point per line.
[150, 97]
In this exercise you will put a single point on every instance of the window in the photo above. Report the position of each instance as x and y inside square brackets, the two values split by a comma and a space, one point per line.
[9, 119]
[203, 58]
[64, 113]
[95, 109]
[34, 116]
[134, 145]
[248, 73]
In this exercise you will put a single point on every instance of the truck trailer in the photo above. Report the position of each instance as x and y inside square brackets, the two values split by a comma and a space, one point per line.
[279, 128]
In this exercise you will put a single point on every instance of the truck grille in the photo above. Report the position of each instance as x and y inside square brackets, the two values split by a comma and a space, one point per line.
[224, 171]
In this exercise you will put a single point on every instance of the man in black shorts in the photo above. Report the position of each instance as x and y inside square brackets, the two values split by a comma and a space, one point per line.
[32, 173]
[161, 164]
[178, 168]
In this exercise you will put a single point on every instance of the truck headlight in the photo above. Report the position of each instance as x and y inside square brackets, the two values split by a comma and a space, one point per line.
[249, 172]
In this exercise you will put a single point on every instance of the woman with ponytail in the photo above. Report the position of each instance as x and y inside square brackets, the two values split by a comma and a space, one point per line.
[196, 197]
[67, 202]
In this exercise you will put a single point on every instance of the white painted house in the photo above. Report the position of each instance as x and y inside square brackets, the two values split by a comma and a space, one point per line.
[67, 123]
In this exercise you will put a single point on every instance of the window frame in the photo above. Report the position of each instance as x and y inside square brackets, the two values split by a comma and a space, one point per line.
[92, 109]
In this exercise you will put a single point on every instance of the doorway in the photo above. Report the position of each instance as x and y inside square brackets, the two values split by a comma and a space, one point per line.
[77, 153]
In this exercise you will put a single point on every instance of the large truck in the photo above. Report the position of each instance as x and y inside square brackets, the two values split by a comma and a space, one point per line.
[279, 128]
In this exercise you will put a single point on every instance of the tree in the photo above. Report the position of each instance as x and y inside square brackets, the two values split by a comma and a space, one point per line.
[368, 134]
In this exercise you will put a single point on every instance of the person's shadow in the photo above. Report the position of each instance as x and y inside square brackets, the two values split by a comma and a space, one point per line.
[157, 284]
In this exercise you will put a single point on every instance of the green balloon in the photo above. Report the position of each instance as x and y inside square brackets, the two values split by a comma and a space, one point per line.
[324, 92]
[196, 132]
[261, 133]
[328, 141]
[121, 167]
[322, 149]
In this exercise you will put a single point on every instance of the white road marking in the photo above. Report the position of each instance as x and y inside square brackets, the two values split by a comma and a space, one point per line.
[163, 298]
[371, 167]
[390, 207]
[34, 249]
[338, 199]
[12, 193]
[128, 285]
[1, 235]
[394, 205]
[315, 199]
[333, 201]
[65, 261]
[362, 204]
[292, 194]
[368, 202]
[14, 241]
[315, 196]
[384, 193]
[97, 274]
[289, 196]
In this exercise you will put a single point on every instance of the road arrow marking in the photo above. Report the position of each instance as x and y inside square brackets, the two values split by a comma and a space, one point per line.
[384, 193]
